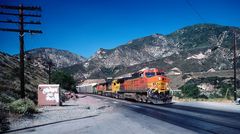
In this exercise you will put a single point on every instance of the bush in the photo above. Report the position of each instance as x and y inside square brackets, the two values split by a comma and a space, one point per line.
[65, 80]
[227, 90]
[177, 94]
[23, 106]
[190, 90]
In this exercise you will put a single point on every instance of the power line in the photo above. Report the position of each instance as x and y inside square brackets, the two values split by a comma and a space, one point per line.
[10, 21]
[32, 8]
[17, 30]
[15, 14]
[194, 10]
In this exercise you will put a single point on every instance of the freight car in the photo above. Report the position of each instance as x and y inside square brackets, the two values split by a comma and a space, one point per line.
[146, 85]
[86, 88]
[104, 88]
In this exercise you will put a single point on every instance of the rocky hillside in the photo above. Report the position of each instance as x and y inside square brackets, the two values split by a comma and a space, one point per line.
[202, 36]
[60, 58]
[10, 82]
[196, 48]
[35, 70]
[135, 52]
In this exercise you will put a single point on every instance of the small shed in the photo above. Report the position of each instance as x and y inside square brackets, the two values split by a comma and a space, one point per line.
[48, 95]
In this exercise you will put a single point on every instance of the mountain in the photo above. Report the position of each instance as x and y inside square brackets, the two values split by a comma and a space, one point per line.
[60, 58]
[196, 48]
[135, 52]
[159, 46]
[203, 35]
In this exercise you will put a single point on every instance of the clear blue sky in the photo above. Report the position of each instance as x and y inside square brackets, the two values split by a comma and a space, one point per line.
[84, 26]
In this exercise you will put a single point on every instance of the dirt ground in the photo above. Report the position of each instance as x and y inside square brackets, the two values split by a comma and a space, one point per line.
[84, 106]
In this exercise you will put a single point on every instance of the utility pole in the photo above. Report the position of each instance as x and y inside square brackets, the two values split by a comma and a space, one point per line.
[234, 66]
[50, 64]
[21, 32]
[21, 39]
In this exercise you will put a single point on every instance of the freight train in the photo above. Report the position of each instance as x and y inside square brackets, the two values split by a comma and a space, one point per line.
[146, 85]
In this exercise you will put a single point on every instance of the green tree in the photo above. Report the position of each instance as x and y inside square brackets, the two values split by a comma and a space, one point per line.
[226, 90]
[65, 80]
[190, 90]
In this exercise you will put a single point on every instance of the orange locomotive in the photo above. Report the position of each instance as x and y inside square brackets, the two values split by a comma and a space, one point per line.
[146, 85]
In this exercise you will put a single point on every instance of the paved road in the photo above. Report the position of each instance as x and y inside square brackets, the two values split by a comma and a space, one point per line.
[197, 119]
[131, 117]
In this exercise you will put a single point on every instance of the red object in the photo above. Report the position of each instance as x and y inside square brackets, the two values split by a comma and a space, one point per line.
[101, 87]
[48, 95]
[145, 79]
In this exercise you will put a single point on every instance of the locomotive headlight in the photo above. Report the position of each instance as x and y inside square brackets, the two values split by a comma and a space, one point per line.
[157, 83]
[159, 78]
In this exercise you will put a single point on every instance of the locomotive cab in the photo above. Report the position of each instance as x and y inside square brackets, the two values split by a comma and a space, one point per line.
[157, 84]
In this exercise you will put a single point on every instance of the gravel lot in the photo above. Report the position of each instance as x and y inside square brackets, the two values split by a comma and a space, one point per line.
[82, 107]
[105, 116]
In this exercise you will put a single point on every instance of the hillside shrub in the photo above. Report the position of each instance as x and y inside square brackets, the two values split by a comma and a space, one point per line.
[5, 98]
[190, 90]
[23, 106]
[4, 123]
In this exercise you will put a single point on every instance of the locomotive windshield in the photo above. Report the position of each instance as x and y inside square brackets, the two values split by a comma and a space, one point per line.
[150, 74]
[161, 73]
